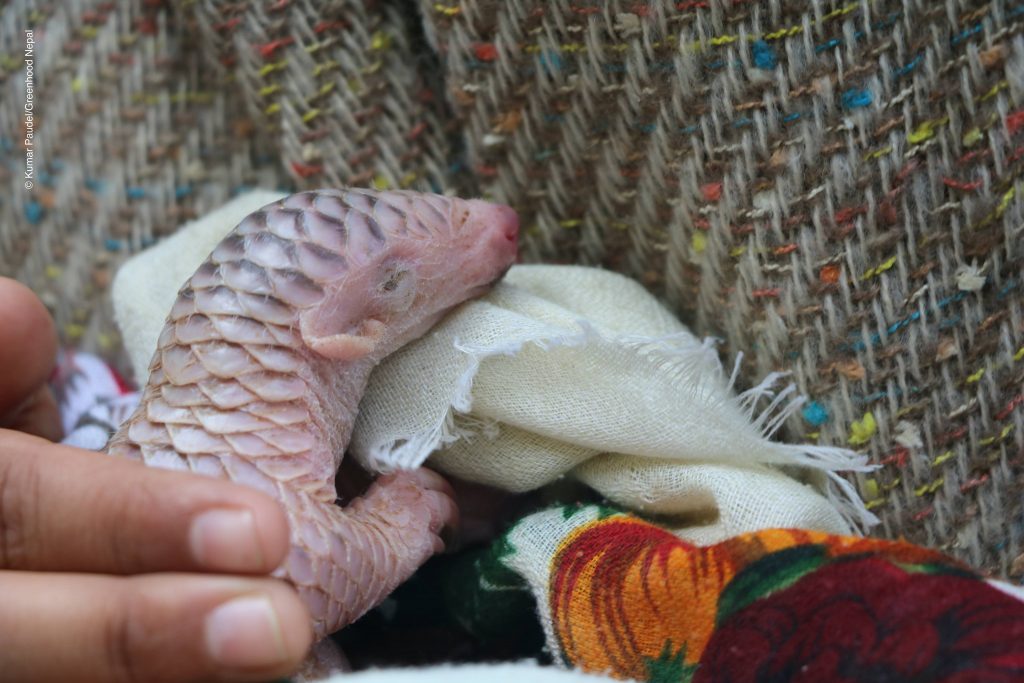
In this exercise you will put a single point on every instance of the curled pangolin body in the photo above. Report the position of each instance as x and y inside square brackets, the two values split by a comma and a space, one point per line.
[267, 350]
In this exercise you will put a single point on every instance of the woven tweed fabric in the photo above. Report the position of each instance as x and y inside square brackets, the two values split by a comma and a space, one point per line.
[128, 142]
[828, 186]
[337, 85]
[831, 187]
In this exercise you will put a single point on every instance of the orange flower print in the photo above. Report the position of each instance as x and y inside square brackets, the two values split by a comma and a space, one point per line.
[634, 601]
[622, 593]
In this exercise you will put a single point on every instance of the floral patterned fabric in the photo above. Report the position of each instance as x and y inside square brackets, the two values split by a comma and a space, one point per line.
[621, 596]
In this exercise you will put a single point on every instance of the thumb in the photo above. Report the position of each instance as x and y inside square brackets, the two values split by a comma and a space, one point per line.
[28, 351]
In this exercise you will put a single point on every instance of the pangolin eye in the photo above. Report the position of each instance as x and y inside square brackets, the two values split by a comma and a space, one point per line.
[393, 280]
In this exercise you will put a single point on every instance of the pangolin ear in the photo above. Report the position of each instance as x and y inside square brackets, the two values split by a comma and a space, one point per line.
[347, 346]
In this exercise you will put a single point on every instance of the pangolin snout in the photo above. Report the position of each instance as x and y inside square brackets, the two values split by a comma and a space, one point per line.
[508, 220]
[493, 230]
[504, 229]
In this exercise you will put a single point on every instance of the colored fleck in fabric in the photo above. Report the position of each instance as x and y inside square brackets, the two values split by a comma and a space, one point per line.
[619, 595]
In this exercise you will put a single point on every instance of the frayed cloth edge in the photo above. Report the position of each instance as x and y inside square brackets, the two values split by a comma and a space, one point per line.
[678, 352]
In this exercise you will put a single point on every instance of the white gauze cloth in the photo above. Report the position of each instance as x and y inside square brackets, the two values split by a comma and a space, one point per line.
[560, 371]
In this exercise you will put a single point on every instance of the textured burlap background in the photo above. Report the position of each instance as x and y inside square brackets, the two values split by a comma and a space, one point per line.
[829, 186]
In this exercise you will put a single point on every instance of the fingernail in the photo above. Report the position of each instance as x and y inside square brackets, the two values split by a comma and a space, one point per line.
[245, 633]
[226, 540]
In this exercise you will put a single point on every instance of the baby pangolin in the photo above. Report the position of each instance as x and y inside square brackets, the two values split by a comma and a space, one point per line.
[266, 353]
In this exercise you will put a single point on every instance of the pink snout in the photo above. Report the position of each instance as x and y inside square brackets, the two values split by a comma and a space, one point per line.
[507, 221]
[505, 233]
[497, 226]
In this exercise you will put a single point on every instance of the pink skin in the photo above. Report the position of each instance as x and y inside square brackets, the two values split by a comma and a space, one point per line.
[415, 282]
[259, 372]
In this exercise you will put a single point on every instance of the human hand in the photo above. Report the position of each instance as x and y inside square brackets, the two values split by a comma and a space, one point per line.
[113, 571]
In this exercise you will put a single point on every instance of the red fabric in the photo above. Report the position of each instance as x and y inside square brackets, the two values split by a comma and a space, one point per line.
[866, 619]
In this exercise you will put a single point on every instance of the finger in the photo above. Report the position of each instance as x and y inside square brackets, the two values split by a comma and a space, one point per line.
[28, 344]
[160, 627]
[65, 509]
[39, 415]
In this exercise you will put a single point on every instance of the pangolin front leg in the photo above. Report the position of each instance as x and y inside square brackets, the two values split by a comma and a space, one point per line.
[351, 558]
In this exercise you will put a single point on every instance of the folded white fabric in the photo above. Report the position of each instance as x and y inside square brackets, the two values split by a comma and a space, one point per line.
[566, 370]
[561, 371]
